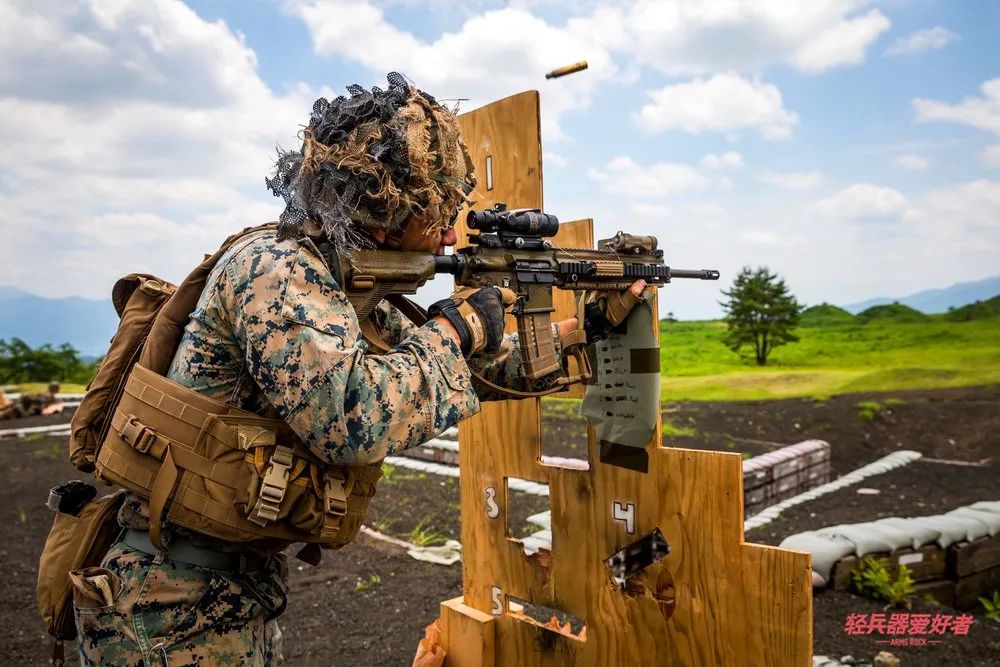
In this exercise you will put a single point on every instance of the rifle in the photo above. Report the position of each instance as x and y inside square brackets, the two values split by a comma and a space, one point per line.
[513, 250]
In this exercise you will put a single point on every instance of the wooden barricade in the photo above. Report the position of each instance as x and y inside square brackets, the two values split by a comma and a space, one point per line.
[714, 600]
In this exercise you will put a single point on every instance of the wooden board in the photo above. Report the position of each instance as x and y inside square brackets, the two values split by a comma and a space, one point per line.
[966, 558]
[941, 590]
[733, 602]
[969, 589]
[927, 562]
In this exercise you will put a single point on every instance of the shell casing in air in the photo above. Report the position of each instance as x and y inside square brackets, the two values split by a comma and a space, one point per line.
[567, 69]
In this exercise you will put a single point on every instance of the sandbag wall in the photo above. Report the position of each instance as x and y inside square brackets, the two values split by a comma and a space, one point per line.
[954, 558]
[783, 473]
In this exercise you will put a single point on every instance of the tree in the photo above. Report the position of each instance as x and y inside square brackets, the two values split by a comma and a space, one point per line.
[20, 363]
[760, 312]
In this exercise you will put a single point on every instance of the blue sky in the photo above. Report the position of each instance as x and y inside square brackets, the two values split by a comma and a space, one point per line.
[852, 146]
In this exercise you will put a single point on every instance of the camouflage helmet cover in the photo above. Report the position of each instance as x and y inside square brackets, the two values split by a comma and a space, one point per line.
[369, 162]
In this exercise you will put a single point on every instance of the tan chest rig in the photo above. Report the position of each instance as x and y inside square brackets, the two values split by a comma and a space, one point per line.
[201, 463]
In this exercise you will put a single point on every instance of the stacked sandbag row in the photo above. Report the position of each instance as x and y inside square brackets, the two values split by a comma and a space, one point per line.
[953, 557]
[783, 473]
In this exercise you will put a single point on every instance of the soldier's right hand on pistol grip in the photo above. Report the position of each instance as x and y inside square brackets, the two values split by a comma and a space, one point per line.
[477, 316]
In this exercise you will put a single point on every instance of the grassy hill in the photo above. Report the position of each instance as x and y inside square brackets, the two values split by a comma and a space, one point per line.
[891, 311]
[975, 311]
[826, 314]
[882, 354]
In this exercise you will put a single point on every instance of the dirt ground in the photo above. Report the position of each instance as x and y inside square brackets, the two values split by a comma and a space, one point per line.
[368, 604]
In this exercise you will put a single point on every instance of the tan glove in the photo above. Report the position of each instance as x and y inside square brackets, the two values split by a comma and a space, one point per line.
[477, 315]
[603, 311]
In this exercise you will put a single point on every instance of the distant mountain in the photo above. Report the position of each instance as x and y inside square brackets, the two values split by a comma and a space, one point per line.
[938, 300]
[9, 292]
[86, 324]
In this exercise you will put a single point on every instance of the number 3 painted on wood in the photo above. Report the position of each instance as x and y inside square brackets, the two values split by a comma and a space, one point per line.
[492, 509]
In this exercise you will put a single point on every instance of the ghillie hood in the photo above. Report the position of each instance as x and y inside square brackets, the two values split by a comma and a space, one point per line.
[369, 162]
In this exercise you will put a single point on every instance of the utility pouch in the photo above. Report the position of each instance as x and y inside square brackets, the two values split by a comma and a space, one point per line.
[74, 542]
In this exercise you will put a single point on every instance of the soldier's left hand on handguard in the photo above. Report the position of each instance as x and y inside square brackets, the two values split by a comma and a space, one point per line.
[606, 310]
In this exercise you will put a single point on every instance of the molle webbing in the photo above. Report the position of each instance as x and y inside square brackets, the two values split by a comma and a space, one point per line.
[227, 473]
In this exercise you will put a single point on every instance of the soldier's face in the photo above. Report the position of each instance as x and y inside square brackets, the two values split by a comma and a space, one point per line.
[416, 238]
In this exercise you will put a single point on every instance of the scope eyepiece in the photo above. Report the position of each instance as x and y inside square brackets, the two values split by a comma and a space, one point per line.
[523, 222]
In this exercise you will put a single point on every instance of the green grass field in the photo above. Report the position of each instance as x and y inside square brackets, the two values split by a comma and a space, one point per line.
[43, 387]
[880, 355]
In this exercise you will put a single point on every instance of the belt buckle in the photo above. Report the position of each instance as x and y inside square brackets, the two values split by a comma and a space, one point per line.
[334, 495]
[136, 434]
[272, 487]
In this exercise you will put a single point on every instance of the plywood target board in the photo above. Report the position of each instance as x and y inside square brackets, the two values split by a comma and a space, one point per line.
[704, 597]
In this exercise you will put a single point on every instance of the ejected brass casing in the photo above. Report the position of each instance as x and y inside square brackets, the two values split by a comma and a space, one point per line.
[567, 69]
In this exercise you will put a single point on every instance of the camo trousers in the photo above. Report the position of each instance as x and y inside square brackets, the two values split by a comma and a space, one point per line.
[170, 614]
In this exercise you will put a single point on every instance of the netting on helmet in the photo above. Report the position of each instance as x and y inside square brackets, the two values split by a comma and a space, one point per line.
[371, 161]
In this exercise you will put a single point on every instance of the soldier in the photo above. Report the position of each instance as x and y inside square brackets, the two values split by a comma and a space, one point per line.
[8, 408]
[31, 405]
[273, 334]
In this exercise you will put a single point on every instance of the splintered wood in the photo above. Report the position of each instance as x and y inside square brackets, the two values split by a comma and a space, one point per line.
[713, 600]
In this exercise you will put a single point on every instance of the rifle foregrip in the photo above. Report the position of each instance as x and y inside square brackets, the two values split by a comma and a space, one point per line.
[538, 352]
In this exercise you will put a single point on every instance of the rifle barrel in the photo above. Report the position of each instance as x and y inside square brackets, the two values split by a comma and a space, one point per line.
[703, 274]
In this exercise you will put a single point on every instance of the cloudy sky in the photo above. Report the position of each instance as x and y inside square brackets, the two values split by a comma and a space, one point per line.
[852, 146]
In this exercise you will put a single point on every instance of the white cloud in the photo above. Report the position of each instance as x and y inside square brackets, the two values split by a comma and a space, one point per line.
[791, 180]
[623, 176]
[931, 39]
[842, 44]
[492, 55]
[763, 237]
[727, 160]
[979, 112]
[554, 159]
[696, 37]
[911, 161]
[650, 210]
[971, 211]
[864, 201]
[136, 135]
[506, 50]
[991, 156]
[707, 210]
[721, 103]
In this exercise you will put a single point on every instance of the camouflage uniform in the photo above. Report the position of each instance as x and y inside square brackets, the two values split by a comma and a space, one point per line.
[274, 334]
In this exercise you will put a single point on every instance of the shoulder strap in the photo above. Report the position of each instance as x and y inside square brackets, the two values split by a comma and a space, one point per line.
[165, 334]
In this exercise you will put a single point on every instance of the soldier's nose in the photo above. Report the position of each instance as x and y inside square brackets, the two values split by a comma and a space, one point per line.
[449, 237]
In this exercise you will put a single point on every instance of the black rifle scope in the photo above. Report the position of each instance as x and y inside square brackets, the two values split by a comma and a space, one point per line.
[520, 222]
